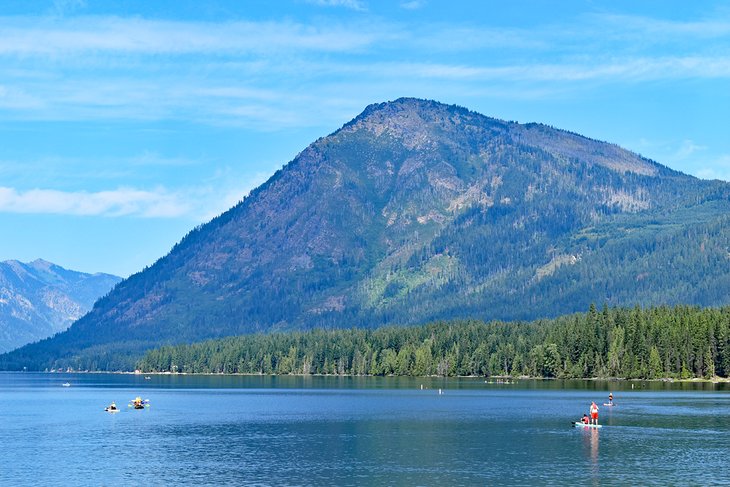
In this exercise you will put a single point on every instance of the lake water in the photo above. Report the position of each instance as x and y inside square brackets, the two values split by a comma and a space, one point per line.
[315, 431]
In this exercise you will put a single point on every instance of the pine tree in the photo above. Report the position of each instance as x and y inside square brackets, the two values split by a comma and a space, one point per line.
[709, 364]
[655, 363]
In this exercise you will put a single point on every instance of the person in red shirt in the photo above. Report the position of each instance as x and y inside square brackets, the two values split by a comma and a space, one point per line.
[594, 413]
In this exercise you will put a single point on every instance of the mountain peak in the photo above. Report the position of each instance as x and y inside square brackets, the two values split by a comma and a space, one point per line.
[44, 265]
[415, 211]
[411, 120]
[39, 298]
[424, 124]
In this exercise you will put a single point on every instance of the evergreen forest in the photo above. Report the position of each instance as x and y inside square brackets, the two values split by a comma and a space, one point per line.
[679, 342]
[418, 212]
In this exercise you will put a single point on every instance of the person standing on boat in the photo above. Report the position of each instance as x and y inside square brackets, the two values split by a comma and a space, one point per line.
[610, 398]
[594, 412]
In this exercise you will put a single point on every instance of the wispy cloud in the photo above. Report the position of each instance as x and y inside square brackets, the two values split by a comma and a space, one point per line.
[98, 34]
[54, 37]
[224, 190]
[629, 69]
[18, 98]
[275, 74]
[236, 96]
[358, 5]
[151, 158]
[657, 29]
[718, 168]
[200, 203]
[63, 7]
[413, 4]
[119, 202]
[688, 149]
[692, 157]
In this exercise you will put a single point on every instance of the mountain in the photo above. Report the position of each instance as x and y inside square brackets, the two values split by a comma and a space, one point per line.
[416, 211]
[40, 299]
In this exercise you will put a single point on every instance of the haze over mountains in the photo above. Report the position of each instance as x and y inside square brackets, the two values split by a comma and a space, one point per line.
[39, 299]
[416, 211]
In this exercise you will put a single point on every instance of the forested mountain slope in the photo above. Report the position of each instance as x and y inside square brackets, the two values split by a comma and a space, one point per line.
[416, 211]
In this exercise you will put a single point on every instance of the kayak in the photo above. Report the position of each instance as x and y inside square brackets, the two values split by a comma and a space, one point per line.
[579, 424]
[138, 403]
[609, 405]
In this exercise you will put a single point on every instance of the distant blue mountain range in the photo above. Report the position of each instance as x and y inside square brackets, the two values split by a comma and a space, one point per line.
[39, 299]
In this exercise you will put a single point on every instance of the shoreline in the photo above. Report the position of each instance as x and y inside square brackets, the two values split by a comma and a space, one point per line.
[508, 379]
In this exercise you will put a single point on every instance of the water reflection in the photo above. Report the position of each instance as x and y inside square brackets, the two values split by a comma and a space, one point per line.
[590, 447]
[594, 446]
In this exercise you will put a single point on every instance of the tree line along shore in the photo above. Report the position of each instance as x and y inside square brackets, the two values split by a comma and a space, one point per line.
[680, 342]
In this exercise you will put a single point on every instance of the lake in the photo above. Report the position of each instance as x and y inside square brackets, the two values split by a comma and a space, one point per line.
[314, 431]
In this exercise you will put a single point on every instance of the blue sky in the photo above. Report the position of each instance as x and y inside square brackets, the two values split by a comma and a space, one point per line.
[125, 124]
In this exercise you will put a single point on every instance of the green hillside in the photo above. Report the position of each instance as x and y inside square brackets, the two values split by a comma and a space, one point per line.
[417, 211]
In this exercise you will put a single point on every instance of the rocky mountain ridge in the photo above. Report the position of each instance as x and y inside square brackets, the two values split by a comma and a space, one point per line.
[39, 299]
[417, 211]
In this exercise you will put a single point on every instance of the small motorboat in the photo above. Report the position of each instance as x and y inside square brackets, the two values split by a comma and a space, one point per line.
[112, 408]
[66, 384]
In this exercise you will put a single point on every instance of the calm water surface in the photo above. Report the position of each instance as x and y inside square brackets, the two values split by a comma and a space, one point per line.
[212, 430]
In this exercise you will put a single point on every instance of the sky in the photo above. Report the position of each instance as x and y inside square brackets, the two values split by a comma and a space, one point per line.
[125, 124]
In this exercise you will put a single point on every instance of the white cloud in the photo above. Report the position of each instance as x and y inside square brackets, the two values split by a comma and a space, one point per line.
[702, 161]
[84, 34]
[358, 5]
[293, 93]
[119, 202]
[29, 36]
[276, 74]
[412, 4]
[17, 98]
[616, 70]
[227, 195]
[717, 168]
[656, 29]
[151, 158]
[687, 149]
[62, 7]
[211, 197]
